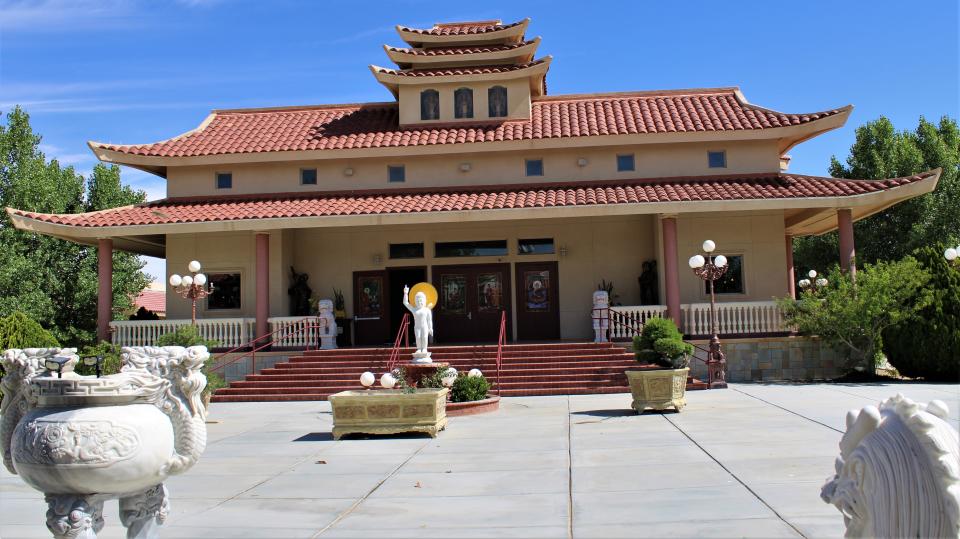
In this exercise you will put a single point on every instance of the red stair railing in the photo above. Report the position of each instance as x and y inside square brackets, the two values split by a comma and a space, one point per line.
[290, 330]
[403, 335]
[501, 341]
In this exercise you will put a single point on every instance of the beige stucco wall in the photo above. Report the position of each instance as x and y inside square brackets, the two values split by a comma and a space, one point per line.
[609, 248]
[518, 100]
[652, 161]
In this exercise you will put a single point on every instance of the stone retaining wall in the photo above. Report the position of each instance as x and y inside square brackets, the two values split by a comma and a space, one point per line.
[773, 358]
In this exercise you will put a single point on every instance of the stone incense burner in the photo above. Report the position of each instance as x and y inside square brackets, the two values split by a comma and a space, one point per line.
[82, 440]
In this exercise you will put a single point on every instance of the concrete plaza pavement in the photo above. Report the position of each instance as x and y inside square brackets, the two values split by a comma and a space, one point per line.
[748, 461]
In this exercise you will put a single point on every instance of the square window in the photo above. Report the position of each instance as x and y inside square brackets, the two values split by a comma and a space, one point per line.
[406, 250]
[717, 159]
[625, 163]
[308, 176]
[539, 246]
[224, 180]
[396, 173]
[732, 280]
[470, 248]
[534, 167]
[226, 291]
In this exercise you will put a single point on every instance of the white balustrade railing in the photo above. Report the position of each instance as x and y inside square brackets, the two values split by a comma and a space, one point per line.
[734, 318]
[294, 331]
[228, 332]
[626, 321]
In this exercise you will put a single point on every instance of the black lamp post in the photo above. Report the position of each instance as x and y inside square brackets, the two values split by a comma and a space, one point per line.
[710, 268]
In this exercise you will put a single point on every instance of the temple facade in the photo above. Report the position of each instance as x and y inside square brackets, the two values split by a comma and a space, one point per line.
[504, 196]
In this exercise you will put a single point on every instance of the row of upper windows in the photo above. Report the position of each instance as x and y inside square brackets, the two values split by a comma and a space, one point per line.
[532, 168]
[463, 103]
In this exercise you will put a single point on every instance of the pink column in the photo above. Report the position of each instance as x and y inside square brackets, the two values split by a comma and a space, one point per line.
[791, 276]
[670, 273]
[104, 288]
[263, 284]
[847, 253]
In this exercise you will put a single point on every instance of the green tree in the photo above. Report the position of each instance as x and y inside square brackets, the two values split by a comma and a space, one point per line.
[882, 152]
[929, 346]
[852, 317]
[52, 280]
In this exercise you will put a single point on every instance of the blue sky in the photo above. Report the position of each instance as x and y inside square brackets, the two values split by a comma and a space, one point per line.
[129, 71]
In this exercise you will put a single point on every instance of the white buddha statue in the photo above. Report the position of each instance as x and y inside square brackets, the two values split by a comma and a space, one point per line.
[422, 323]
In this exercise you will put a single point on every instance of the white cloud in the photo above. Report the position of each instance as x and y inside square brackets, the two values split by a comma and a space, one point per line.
[153, 185]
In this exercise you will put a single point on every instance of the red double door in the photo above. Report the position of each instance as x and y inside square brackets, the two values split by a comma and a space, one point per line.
[471, 298]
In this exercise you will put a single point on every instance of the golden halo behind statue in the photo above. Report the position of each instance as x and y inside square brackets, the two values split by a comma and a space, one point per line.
[428, 291]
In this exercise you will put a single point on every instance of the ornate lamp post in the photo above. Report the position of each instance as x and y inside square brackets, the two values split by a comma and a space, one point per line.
[192, 287]
[710, 268]
[813, 283]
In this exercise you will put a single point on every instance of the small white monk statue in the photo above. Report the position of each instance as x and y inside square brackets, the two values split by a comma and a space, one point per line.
[601, 315]
[422, 323]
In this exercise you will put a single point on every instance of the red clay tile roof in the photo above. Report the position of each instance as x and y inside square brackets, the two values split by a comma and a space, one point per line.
[152, 300]
[456, 71]
[691, 189]
[462, 28]
[375, 125]
[452, 51]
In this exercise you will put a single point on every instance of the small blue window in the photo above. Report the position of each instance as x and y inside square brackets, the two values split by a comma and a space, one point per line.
[308, 176]
[534, 167]
[396, 173]
[224, 180]
[717, 159]
[625, 163]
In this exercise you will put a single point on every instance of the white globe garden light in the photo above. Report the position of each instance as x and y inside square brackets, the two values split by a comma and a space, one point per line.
[951, 253]
[474, 373]
[200, 279]
[804, 283]
[367, 379]
[821, 282]
[193, 266]
[812, 274]
[449, 377]
[709, 246]
[720, 261]
[388, 381]
[186, 280]
[697, 261]
[175, 280]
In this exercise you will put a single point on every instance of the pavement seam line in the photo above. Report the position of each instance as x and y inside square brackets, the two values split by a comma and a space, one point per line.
[734, 476]
[569, 473]
[775, 405]
[363, 498]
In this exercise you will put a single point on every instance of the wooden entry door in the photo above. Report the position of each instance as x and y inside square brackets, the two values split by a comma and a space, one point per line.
[371, 318]
[538, 309]
[471, 300]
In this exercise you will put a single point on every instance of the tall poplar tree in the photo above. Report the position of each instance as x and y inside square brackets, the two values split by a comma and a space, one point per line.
[52, 280]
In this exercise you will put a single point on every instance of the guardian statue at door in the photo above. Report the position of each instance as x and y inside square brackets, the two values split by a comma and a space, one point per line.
[422, 323]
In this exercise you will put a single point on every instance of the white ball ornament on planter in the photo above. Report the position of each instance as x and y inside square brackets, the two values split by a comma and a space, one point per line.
[388, 381]
[449, 377]
[367, 379]
[175, 280]
[474, 373]
[193, 266]
[951, 253]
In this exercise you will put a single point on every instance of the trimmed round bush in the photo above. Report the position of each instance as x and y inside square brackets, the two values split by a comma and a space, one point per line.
[928, 347]
[469, 388]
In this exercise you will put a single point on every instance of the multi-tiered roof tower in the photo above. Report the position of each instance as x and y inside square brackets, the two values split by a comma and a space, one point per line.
[465, 71]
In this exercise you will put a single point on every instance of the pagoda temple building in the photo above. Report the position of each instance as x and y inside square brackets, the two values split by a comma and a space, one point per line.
[514, 202]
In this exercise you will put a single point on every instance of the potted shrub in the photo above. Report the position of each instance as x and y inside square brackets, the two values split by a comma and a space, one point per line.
[663, 382]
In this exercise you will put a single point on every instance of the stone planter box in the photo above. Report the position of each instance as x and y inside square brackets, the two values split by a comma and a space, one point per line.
[389, 412]
[658, 389]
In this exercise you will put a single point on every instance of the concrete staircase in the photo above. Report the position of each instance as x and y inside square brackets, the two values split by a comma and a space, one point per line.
[526, 369]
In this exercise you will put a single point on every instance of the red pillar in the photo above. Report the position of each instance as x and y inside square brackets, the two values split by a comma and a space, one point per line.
[847, 253]
[263, 284]
[104, 288]
[670, 271]
[791, 275]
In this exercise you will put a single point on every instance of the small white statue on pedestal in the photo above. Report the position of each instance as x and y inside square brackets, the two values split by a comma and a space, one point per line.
[601, 315]
[328, 323]
[422, 324]
[898, 474]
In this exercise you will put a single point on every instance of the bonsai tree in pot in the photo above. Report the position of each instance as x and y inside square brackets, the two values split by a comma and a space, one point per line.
[663, 385]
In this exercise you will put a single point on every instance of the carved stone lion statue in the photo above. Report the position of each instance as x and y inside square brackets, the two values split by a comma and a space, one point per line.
[898, 474]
